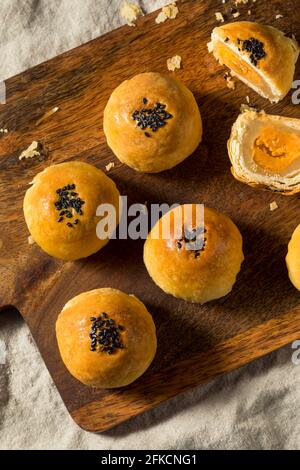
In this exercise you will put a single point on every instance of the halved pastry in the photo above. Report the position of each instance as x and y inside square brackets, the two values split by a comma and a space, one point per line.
[265, 151]
[261, 56]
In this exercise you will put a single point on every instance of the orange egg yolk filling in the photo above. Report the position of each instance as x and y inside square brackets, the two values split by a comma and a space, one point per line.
[275, 150]
[239, 66]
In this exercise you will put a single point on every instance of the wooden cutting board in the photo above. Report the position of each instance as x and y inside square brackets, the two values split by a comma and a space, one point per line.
[195, 343]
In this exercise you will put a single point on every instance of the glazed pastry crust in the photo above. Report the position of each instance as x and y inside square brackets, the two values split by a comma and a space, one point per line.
[293, 258]
[276, 69]
[41, 216]
[99, 369]
[168, 146]
[244, 126]
[208, 277]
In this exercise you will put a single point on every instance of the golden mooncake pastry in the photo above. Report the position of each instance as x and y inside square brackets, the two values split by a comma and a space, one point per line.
[196, 262]
[293, 258]
[106, 338]
[265, 151]
[60, 209]
[261, 56]
[152, 122]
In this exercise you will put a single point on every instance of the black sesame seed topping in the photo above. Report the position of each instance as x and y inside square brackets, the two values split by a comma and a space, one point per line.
[255, 48]
[68, 204]
[151, 118]
[195, 240]
[105, 334]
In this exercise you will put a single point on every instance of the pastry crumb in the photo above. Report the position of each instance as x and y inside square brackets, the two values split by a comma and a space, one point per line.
[249, 12]
[174, 63]
[219, 17]
[237, 2]
[109, 166]
[236, 14]
[3, 131]
[230, 84]
[130, 12]
[161, 17]
[248, 107]
[229, 81]
[47, 115]
[278, 16]
[247, 99]
[31, 241]
[35, 149]
[169, 12]
[273, 206]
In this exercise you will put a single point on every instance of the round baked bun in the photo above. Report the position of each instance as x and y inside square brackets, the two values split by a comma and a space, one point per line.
[196, 262]
[264, 151]
[293, 258]
[106, 338]
[152, 122]
[60, 209]
[261, 56]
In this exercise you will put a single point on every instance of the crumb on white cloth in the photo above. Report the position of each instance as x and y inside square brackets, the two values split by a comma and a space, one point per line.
[219, 17]
[273, 206]
[174, 63]
[109, 166]
[130, 12]
[31, 241]
[35, 149]
[169, 12]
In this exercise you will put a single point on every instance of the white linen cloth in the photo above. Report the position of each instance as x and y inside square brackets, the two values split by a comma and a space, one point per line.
[256, 407]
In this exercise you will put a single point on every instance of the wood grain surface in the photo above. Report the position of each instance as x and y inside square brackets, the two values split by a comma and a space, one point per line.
[195, 343]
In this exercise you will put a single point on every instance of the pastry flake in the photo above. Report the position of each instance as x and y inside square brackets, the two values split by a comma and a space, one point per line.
[273, 206]
[167, 12]
[35, 149]
[130, 12]
[109, 166]
[174, 63]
